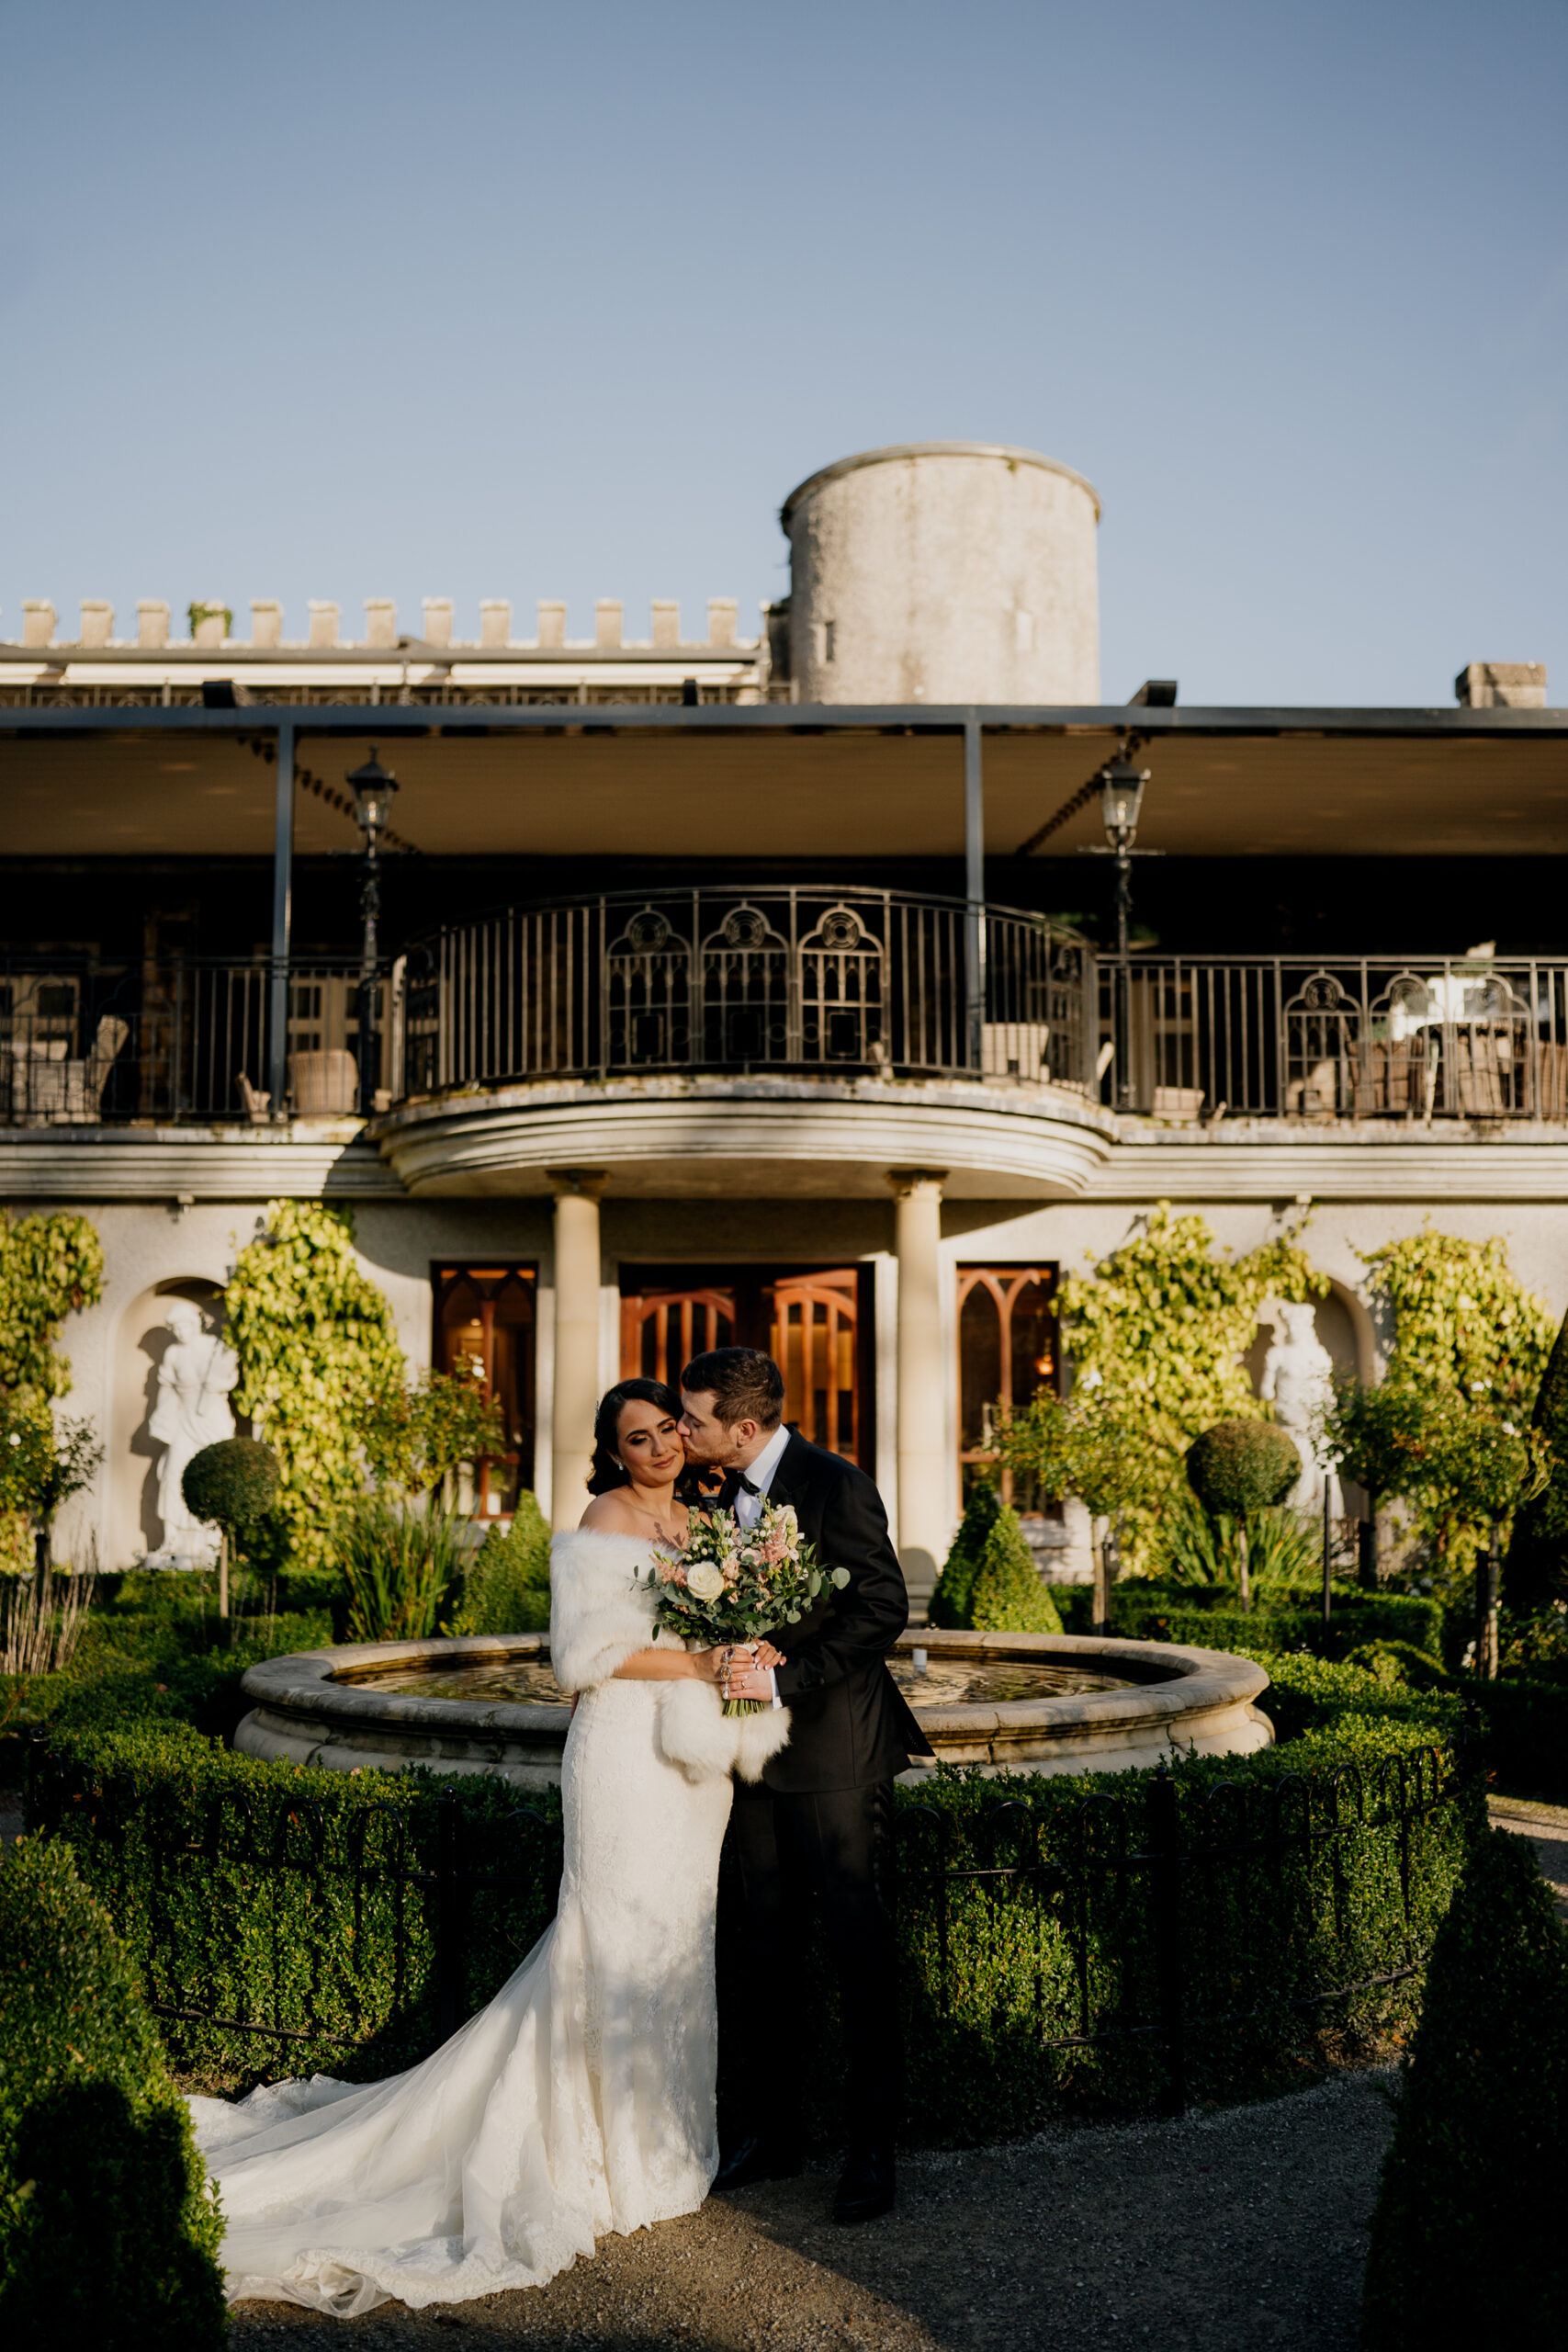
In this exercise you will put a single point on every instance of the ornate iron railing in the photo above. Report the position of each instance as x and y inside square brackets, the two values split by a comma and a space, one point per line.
[86, 1041]
[816, 980]
[1338, 1037]
[779, 976]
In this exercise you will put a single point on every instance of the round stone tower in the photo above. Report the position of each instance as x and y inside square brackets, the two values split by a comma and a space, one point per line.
[944, 571]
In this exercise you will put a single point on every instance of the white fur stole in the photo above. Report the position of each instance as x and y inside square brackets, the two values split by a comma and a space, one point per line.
[600, 1616]
[695, 1733]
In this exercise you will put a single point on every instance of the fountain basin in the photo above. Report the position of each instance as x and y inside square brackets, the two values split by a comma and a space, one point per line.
[337, 1709]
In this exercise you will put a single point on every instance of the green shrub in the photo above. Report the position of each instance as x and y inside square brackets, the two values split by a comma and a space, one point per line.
[1401, 1665]
[990, 1582]
[1284, 1617]
[108, 2231]
[311, 1948]
[291, 1919]
[232, 1486]
[1190, 1546]
[403, 1564]
[508, 1587]
[1239, 1468]
[1467, 2244]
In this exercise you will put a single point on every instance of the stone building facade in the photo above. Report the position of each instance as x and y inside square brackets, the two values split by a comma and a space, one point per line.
[763, 986]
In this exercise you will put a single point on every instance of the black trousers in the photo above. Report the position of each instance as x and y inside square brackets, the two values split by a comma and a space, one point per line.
[834, 1849]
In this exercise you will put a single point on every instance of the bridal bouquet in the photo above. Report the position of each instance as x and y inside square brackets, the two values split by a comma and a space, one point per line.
[733, 1584]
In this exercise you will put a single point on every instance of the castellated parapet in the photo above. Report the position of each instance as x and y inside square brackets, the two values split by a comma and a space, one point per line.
[438, 631]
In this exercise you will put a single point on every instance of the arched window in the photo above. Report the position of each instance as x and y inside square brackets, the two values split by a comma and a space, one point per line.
[1008, 1348]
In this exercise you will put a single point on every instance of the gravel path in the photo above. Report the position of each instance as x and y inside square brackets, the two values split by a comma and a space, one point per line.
[1242, 2225]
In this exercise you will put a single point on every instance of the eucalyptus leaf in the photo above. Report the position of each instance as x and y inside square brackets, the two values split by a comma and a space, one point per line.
[841, 1578]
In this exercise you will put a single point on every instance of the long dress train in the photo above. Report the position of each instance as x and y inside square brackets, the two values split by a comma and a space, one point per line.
[581, 2101]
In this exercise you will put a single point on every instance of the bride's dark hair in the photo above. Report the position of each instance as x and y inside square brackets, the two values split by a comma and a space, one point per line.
[607, 1472]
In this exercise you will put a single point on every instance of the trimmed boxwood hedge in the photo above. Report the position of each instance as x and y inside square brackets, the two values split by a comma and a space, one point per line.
[1282, 1617]
[108, 2231]
[177, 1836]
[1468, 2244]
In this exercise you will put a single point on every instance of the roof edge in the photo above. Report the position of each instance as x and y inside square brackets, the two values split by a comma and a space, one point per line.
[936, 449]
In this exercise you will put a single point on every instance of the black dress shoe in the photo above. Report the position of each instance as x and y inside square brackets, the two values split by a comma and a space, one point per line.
[867, 2189]
[757, 2159]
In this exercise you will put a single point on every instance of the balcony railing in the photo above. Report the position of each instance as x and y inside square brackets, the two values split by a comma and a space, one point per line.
[1337, 1037]
[790, 979]
[781, 978]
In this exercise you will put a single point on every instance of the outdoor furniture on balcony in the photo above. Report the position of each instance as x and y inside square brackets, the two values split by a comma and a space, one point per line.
[824, 982]
[50, 1086]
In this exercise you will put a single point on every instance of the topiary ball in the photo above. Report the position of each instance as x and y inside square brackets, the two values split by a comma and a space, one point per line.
[231, 1484]
[1238, 1467]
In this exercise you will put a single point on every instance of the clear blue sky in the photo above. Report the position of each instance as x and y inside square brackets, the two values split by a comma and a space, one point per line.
[363, 299]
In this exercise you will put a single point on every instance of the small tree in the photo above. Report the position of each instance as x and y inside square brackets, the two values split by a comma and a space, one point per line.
[416, 1436]
[42, 1464]
[233, 1486]
[1091, 1446]
[1238, 1468]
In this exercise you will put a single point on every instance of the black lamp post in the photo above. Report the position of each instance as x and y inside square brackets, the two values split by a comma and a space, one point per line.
[374, 792]
[1121, 801]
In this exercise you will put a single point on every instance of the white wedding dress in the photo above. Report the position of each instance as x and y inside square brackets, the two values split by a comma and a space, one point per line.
[581, 2101]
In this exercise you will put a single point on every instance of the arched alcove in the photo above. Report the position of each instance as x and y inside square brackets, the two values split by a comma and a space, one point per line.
[134, 1527]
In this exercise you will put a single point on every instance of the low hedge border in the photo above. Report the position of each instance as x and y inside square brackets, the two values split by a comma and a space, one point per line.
[108, 2231]
[1282, 1617]
[209, 1864]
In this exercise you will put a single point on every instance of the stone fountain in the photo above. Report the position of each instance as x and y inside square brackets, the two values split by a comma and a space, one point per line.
[1032, 1703]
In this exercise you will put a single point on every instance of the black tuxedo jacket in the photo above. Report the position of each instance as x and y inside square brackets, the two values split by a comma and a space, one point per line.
[849, 1724]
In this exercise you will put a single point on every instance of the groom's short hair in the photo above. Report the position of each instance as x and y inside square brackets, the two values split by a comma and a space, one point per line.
[745, 1386]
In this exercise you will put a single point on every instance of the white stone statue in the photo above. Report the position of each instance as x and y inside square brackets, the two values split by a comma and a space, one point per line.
[1298, 1380]
[191, 1410]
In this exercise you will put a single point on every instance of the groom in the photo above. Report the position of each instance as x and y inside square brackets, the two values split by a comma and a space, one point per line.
[820, 1822]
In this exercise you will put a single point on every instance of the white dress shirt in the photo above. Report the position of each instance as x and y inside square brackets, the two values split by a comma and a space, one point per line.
[749, 1508]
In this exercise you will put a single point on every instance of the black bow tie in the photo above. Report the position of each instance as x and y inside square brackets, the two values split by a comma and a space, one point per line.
[735, 1483]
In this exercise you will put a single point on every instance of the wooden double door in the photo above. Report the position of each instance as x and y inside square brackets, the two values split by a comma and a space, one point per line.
[815, 1321]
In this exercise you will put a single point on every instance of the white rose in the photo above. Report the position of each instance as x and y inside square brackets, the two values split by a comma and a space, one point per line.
[704, 1581]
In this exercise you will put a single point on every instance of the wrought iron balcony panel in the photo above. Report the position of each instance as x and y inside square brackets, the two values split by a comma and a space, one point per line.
[775, 977]
[809, 981]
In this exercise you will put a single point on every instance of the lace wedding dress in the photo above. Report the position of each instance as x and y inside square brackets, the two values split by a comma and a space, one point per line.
[581, 2101]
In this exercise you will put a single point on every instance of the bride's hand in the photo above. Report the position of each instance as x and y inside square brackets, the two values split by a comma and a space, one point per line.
[714, 1666]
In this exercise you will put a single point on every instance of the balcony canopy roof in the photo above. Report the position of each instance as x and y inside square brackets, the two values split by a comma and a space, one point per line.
[786, 781]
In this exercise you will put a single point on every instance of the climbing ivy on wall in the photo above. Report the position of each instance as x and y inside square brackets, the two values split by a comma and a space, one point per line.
[1461, 1318]
[49, 1266]
[1163, 1322]
[318, 1354]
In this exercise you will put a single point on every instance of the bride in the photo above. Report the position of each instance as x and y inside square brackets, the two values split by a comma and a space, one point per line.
[582, 2101]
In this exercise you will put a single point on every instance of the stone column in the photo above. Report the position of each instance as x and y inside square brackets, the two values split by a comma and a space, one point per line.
[925, 1470]
[577, 1340]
